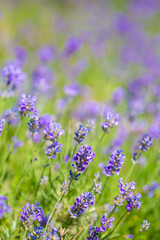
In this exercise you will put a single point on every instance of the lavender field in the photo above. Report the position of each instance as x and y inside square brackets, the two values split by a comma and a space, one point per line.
[79, 119]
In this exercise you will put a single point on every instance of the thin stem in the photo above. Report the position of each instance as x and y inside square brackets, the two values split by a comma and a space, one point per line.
[103, 188]
[115, 226]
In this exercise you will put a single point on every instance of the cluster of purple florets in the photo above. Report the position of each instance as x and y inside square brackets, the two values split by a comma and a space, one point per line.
[144, 225]
[81, 133]
[4, 207]
[115, 163]
[146, 143]
[31, 213]
[12, 76]
[82, 158]
[81, 204]
[34, 124]
[126, 194]
[110, 121]
[27, 105]
[53, 131]
[11, 116]
[106, 223]
[36, 234]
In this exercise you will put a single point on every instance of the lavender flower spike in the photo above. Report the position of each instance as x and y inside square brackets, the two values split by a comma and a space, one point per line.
[111, 120]
[52, 150]
[115, 163]
[106, 222]
[53, 131]
[4, 208]
[80, 134]
[146, 143]
[83, 157]
[81, 204]
[26, 105]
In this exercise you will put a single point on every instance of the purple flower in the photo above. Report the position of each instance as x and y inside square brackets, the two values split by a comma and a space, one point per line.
[51, 232]
[97, 187]
[11, 116]
[82, 158]
[31, 213]
[53, 131]
[80, 134]
[12, 76]
[36, 234]
[2, 123]
[4, 207]
[106, 222]
[126, 189]
[71, 90]
[26, 105]
[17, 143]
[73, 44]
[52, 150]
[145, 225]
[64, 187]
[146, 143]
[115, 163]
[34, 124]
[118, 95]
[46, 53]
[151, 188]
[20, 54]
[111, 120]
[93, 233]
[81, 204]
[133, 202]
[42, 78]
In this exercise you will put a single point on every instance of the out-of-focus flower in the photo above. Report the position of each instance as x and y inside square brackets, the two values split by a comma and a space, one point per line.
[20, 54]
[11, 116]
[145, 225]
[2, 123]
[16, 142]
[91, 124]
[12, 76]
[110, 121]
[82, 158]
[64, 187]
[150, 189]
[73, 44]
[51, 232]
[4, 207]
[44, 180]
[118, 95]
[46, 53]
[81, 204]
[26, 105]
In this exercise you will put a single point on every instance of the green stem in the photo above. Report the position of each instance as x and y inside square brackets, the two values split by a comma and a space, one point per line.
[103, 188]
